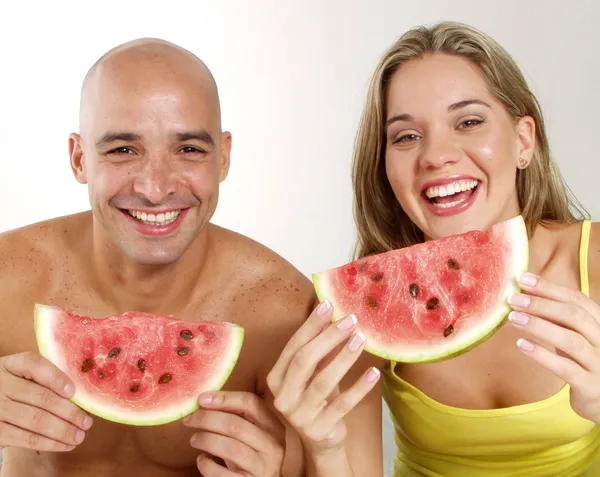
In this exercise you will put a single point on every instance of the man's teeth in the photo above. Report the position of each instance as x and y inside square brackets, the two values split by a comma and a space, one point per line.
[165, 218]
[450, 189]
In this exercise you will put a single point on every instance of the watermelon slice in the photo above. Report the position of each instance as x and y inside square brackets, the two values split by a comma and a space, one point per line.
[433, 300]
[138, 368]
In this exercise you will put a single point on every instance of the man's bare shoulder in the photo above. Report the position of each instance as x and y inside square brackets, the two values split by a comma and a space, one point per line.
[265, 272]
[280, 297]
[29, 254]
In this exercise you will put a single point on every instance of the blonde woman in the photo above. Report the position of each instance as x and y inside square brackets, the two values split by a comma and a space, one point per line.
[448, 104]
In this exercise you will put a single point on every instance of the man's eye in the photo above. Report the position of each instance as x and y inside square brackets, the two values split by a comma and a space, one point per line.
[121, 150]
[192, 150]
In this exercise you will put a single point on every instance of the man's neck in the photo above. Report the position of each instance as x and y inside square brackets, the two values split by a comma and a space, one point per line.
[128, 286]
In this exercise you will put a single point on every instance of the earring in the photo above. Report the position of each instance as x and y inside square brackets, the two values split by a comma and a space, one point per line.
[522, 163]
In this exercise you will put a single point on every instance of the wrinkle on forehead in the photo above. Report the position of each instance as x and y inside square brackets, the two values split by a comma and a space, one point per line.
[147, 64]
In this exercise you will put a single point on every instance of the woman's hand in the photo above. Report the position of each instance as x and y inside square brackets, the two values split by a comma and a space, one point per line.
[305, 380]
[570, 321]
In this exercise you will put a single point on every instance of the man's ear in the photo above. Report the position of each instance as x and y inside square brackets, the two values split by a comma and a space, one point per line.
[77, 159]
[225, 155]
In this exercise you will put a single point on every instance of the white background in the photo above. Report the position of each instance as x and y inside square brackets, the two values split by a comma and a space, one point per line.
[292, 77]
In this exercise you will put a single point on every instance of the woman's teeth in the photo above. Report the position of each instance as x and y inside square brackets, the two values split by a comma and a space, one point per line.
[450, 195]
[164, 218]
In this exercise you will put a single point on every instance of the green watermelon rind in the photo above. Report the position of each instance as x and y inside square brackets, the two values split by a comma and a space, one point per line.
[517, 232]
[86, 401]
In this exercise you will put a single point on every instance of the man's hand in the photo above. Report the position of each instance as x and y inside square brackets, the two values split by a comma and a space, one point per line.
[35, 411]
[240, 429]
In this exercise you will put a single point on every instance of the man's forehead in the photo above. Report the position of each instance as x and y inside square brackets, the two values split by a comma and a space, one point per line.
[145, 73]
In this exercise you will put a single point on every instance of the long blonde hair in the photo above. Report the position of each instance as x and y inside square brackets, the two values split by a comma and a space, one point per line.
[382, 224]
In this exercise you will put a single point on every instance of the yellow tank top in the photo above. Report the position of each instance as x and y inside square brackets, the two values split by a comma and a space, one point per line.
[540, 439]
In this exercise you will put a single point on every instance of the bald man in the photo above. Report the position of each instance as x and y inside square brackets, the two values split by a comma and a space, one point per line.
[152, 153]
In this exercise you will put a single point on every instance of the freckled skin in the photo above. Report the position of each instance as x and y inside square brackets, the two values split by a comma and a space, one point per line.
[95, 264]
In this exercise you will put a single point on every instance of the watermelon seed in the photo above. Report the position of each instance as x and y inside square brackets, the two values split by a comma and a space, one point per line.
[414, 290]
[87, 365]
[433, 303]
[183, 351]
[186, 335]
[164, 379]
[141, 364]
[453, 264]
[448, 331]
[372, 302]
[113, 353]
[134, 388]
[377, 277]
[101, 374]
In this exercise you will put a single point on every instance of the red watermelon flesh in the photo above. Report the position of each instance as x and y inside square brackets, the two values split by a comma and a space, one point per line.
[433, 300]
[138, 368]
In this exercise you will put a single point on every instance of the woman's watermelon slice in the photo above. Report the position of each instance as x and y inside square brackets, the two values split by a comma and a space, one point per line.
[433, 300]
[138, 368]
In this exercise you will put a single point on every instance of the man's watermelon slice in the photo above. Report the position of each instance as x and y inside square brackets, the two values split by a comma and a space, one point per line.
[433, 300]
[138, 368]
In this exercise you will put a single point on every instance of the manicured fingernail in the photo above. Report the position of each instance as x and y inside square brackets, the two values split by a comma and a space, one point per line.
[372, 375]
[186, 419]
[528, 279]
[79, 437]
[323, 308]
[193, 439]
[69, 389]
[519, 300]
[357, 340]
[347, 323]
[518, 318]
[206, 399]
[87, 422]
[524, 345]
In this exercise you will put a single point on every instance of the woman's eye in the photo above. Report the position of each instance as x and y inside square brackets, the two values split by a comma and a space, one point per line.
[406, 138]
[469, 123]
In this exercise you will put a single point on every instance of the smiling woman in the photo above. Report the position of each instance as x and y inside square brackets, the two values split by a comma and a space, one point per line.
[451, 140]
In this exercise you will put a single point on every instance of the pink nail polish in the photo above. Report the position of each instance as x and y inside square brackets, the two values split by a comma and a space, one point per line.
[518, 318]
[357, 340]
[87, 422]
[525, 345]
[347, 323]
[528, 279]
[519, 300]
[372, 375]
[323, 308]
[206, 399]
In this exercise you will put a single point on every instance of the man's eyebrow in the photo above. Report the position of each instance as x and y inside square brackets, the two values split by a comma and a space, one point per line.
[114, 136]
[201, 135]
[451, 108]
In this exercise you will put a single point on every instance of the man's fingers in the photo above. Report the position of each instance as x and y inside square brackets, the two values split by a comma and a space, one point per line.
[247, 405]
[31, 393]
[40, 422]
[36, 368]
[232, 425]
[316, 322]
[15, 437]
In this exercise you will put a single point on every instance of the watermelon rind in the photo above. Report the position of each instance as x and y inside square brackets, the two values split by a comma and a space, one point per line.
[44, 320]
[516, 232]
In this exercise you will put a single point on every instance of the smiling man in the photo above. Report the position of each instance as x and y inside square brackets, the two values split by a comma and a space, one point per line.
[152, 153]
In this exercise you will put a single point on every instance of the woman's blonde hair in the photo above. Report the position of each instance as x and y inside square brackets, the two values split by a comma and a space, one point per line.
[382, 224]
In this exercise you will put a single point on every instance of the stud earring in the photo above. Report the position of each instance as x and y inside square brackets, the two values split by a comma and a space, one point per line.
[522, 163]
